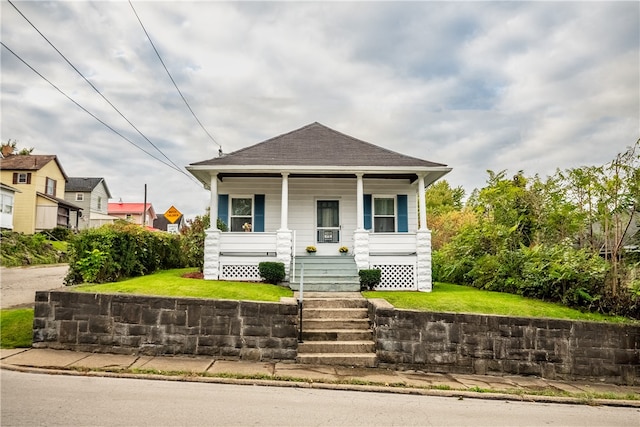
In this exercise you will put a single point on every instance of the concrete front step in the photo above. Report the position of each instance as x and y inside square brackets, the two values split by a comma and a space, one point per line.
[311, 303]
[350, 347]
[335, 313]
[326, 287]
[338, 335]
[334, 324]
[367, 360]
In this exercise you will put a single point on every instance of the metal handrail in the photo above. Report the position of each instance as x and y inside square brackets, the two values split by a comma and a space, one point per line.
[300, 299]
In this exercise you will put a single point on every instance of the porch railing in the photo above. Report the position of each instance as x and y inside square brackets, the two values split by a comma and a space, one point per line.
[248, 244]
[392, 244]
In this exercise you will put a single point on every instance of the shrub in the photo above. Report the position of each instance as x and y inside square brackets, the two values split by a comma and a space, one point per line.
[369, 279]
[271, 272]
[59, 233]
[120, 250]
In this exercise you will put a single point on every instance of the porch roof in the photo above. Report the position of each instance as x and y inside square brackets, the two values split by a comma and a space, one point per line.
[318, 151]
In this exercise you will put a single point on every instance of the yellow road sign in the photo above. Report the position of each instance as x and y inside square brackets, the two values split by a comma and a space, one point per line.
[172, 214]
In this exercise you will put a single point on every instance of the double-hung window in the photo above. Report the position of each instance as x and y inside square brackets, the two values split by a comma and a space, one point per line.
[241, 213]
[50, 189]
[6, 203]
[384, 214]
[79, 197]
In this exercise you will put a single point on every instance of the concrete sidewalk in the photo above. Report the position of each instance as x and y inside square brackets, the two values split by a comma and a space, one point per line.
[208, 369]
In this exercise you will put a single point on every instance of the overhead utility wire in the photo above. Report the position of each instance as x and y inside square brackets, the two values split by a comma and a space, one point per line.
[96, 89]
[87, 111]
[173, 81]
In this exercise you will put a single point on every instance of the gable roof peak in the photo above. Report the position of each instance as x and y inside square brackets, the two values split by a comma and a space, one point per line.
[316, 145]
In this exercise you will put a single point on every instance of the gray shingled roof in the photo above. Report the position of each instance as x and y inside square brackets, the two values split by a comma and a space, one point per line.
[82, 184]
[316, 145]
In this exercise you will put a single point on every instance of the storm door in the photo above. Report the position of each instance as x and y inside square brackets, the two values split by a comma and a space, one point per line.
[327, 221]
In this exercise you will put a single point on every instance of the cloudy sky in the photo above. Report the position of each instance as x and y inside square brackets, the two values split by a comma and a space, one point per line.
[476, 85]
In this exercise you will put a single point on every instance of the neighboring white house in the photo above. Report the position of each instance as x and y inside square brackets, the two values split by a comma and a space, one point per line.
[316, 186]
[92, 195]
[7, 198]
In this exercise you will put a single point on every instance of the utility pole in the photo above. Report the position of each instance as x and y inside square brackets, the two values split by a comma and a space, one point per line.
[144, 207]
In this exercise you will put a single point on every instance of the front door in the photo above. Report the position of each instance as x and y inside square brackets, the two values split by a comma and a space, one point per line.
[327, 226]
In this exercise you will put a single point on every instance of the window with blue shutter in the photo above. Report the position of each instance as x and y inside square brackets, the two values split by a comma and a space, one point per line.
[258, 213]
[368, 212]
[403, 213]
[223, 208]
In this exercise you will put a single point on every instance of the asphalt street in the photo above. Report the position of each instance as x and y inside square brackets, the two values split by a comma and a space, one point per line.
[18, 285]
[55, 400]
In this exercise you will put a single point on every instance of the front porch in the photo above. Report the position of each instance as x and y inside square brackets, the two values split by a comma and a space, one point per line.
[403, 258]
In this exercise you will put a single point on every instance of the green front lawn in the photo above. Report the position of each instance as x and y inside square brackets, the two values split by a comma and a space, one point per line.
[16, 328]
[465, 299]
[171, 283]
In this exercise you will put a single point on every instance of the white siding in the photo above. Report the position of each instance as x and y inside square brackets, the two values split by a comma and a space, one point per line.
[303, 194]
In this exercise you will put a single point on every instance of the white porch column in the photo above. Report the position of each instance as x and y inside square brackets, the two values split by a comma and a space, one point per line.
[423, 242]
[360, 202]
[213, 203]
[284, 236]
[422, 203]
[211, 267]
[284, 208]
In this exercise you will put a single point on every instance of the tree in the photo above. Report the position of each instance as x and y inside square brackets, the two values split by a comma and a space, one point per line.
[9, 149]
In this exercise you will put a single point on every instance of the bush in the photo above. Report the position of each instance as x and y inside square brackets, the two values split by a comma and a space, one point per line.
[17, 249]
[369, 279]
[271, 272]
[120, 250]
[60, 234]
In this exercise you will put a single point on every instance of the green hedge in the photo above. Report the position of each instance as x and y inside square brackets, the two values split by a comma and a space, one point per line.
[121, 250]
[271, 272]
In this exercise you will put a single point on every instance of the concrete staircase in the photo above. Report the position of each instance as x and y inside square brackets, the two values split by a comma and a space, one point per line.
[336, 330]
[326, 274]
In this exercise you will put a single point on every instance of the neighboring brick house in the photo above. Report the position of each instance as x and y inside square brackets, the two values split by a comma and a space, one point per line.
[40, 180]
[7, 198]
[133, 212]
[318, 187]
[92, 195]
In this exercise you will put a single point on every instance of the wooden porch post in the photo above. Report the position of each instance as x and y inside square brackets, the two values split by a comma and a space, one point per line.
[284, 208]
[360, 202]
[213, 203]
[422, 205]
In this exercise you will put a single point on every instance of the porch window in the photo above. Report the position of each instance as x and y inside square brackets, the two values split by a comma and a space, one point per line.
[6, 203]
[384, 215]
[241, 214]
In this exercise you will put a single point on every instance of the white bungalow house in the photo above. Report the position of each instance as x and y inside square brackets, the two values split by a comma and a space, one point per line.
[318, 187]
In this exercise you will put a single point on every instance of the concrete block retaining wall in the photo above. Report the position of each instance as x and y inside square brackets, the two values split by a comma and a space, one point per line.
[131, 324]
[481, 344]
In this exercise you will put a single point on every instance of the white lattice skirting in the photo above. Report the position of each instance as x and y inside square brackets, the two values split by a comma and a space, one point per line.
[240, 272]
[396, 277]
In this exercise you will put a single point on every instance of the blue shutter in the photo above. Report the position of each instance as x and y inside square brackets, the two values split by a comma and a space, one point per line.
[403, 217]
[368, 213]
[258, 212]
[223, 208]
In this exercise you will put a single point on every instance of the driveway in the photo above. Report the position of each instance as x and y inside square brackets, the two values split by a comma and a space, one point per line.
[18, 285]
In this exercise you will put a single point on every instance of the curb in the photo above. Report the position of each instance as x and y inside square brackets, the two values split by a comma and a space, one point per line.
[460, 394]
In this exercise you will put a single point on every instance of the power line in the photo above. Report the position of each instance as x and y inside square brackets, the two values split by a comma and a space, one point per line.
[172, 80]
[90, 113]
[92, 85]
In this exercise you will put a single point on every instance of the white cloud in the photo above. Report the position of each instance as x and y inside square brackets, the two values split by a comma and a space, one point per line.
[480, 85]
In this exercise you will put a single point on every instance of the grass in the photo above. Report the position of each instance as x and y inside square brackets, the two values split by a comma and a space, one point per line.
[16, 328]
[465, 299]
[171, 283]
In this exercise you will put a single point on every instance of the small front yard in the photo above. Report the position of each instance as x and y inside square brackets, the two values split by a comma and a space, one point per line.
[171, 283]
[465, 299]
[16, 324]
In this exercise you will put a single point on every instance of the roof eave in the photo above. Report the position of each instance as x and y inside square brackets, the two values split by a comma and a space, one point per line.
[204, 172]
